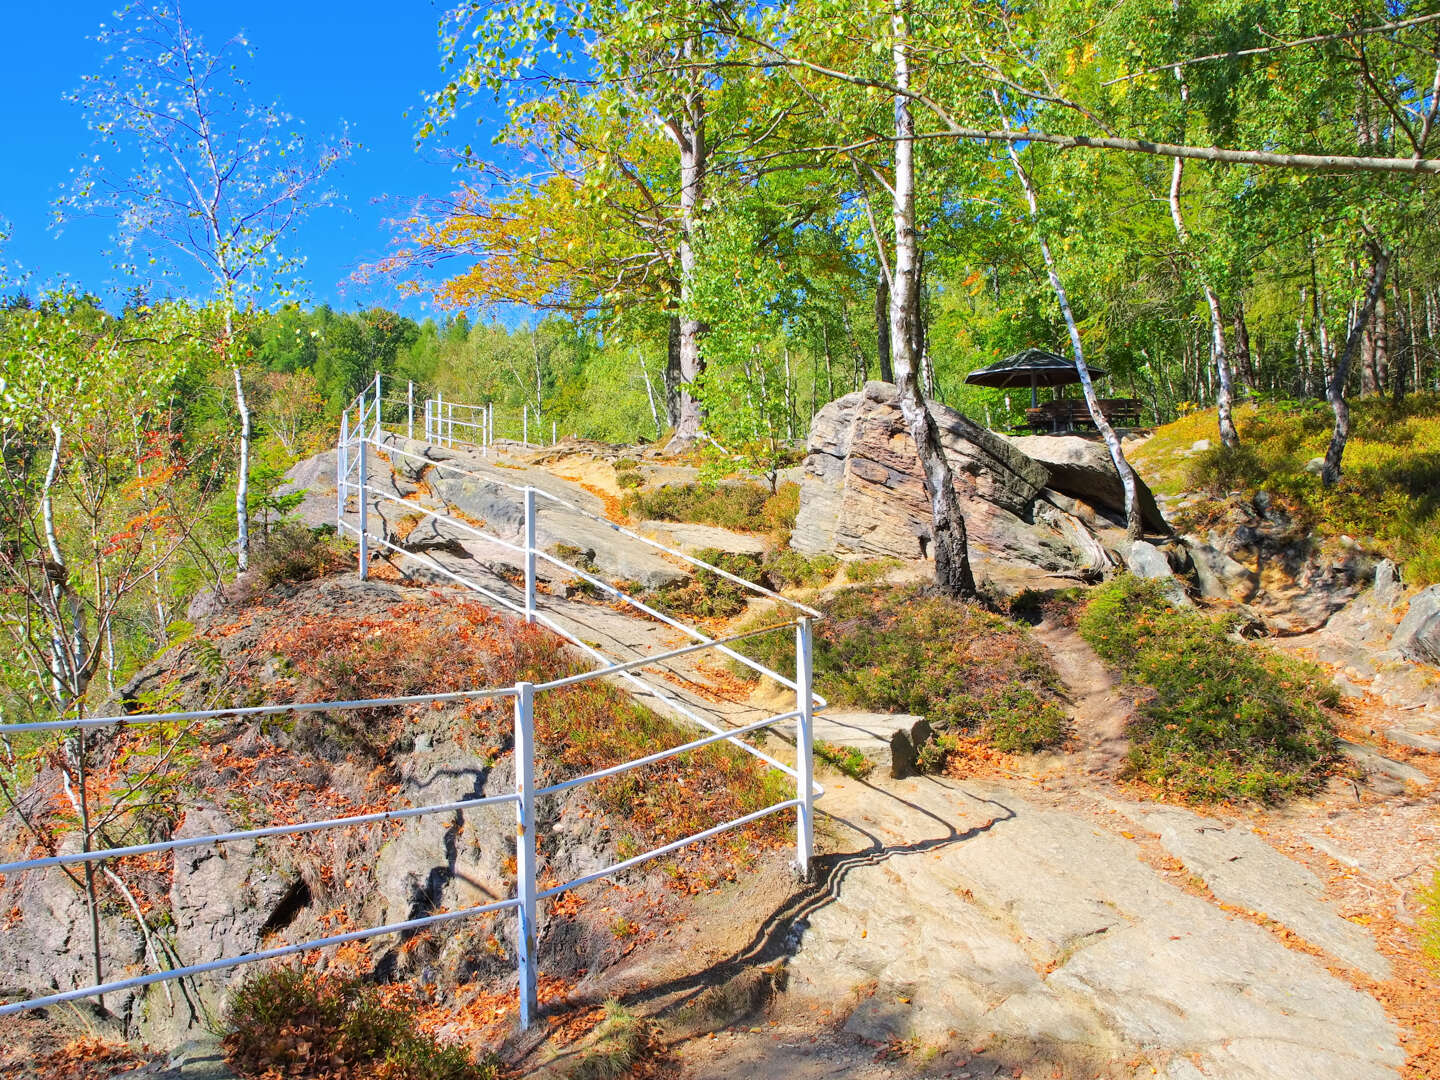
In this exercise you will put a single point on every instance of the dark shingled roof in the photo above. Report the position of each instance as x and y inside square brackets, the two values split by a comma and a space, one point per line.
[1030, 367]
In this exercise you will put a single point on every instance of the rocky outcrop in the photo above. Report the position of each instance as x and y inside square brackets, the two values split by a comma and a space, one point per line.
[1259, 555]
[1418, 636]
[862, 491]
[1081, 467]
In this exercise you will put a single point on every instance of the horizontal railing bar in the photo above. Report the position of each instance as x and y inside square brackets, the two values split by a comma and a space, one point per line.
[251, 958]
[752, 586]
[479, 534]
[676, 751]
[253, 834]
[646, 661]
[704, 640]
[472, 586]
[789, 804]
[702, 637]
[254, 710]
[587, 648]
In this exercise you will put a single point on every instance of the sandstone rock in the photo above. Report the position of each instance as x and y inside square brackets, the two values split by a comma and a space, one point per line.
[500, 511]
[690, 537]
[1081, 467]
[1240, 868]
[1219, 576]
[1389, 589]
[1258, 555]
[1145, 560]
[863, 492]
[1418, 636]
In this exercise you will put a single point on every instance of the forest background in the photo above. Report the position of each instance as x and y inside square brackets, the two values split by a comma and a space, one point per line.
[703, 207]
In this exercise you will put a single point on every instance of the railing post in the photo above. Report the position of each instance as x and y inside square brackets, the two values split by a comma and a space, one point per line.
[529, 554]
[378, 399]
[525, 852]
[364, 516]
[450, 424]
[440, 416]
[341, 468]
[804, 750]
[410, 410]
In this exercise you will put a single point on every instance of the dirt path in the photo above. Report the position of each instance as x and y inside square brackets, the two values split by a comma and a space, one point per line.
[1100, 711]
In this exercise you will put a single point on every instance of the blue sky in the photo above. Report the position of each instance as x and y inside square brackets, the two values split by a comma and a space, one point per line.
[364, 62]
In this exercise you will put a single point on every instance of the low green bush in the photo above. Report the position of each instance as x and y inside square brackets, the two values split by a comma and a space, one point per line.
[742, 507]
[293, 1022]
[1430, 923]
[731, 506]
[864, 571]
[964, 669]
[707, 594]
[293, 552]
[1220, 718]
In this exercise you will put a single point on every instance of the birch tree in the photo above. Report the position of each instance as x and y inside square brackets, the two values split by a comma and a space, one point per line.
[200, 179]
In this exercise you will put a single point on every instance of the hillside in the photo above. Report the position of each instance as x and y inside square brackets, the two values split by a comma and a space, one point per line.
[1389, 496]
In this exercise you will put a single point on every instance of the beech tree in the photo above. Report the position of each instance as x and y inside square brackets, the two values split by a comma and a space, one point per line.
[650, 65]
[198, 176]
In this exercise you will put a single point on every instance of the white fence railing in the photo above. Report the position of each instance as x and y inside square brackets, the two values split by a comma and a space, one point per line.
[358, 441]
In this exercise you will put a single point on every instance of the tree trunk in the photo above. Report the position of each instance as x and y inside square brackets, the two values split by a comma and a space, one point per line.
[673, 377]
[1244, 361]
[1335, 393]
[1133, 525]
[953, 576]
[1381, 337]
[242, 479]
[650, 397]
[882, 330]
[1223, 396]
[692, 193]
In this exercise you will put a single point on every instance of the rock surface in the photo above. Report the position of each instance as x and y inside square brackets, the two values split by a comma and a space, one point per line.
[1081, 467]
[978, 912]
[863, 493]
[1257, 554]
[1242, 869]
[1418, 636]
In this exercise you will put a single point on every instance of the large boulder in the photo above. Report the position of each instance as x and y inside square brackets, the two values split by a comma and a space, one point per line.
[1081, 467]
[1418, 636]
[862, 490]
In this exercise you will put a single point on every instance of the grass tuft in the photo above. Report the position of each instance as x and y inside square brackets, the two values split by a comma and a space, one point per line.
[1221, 718]
[965, 670]
[617, 1045]
[293, 552]
[293, 1022]
[742, 507]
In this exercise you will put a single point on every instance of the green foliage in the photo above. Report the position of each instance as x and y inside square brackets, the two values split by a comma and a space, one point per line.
[1222, 718]
[864, 571]
[847, 759]
[1390, 490]
[293, 552]
[707, 594]
[303, 1024]
[1430, 923]
[965, 670]
[731, 506]
[740, 507]
[615, 1047]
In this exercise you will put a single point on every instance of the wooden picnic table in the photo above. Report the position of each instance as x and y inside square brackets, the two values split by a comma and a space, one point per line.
[1070, 413]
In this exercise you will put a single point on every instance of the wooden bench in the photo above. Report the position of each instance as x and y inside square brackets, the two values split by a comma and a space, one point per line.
[1070, 413]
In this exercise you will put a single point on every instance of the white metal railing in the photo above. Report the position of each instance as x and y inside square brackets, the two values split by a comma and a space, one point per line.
[456, 423]
[357, 441]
